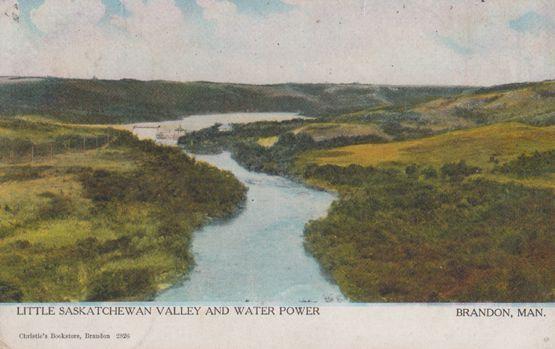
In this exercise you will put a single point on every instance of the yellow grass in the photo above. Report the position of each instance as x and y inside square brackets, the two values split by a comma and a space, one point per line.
[496, 105]
[26, 199]
[545, 181]
[504, 141]
[44, 133]
[103, 158]
[267, 141]
[330, 130]
[40, 118]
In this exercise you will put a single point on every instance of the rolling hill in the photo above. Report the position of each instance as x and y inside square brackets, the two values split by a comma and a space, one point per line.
[532, 103]
[93, 213]
[330, 130]
[123, 101]
[503, 141]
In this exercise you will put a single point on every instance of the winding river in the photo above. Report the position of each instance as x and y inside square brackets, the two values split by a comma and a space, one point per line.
[257, 256]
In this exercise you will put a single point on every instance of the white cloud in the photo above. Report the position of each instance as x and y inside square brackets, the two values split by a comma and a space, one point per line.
[15, 47]
[67, 15]
[218, 10]
[385, 41]
[156, 37]
[374, 41]
[151, 42]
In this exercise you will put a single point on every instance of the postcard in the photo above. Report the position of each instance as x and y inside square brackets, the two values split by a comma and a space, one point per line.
[277, 174]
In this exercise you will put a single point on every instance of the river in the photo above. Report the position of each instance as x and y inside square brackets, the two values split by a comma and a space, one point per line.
[257, 256]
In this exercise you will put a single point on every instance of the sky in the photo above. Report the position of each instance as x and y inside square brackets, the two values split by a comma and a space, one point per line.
[398, 42]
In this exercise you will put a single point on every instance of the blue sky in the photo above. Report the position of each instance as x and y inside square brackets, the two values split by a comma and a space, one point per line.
[189, 8]
[532, 22]
[454, 45]
[379, 41]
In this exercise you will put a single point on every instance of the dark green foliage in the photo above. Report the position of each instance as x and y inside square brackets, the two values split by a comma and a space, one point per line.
[87, 248]
[167, 193]
[419, 234]
[169, 178]
[393, 237]
[276, 159]
[22, 244]
[58, 206]
[208, 140]
[186, 192]
[23, 173]
[476, 115]
[54, 139]
[391, 122]
[10, 292]
[352, 175]
[14, 146]
[429, 172]
[212, 140]
[535, 164]
[458, 170]
[103, 185]
[105, 101]
[267, 128]
[411, 170]
[124, 284]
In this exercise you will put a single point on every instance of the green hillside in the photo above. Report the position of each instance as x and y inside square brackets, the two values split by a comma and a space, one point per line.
[532, 103]
[450, 200]
[478, 146]
[121, 101]
[92, 213]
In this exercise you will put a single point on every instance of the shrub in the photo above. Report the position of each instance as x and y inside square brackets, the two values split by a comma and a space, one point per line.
[87, 248]
[395, 238]
[429, 172]
[122, 284]
[57, 206]
[103, 185]
[411, 170]
[10, 292]
[535, 164]
[458, 170]
[22, 244]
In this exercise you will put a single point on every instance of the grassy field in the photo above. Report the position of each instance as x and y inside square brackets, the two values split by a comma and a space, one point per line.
[408, 236]
[532, 103]
[41, 130]
[462, 216]
[267, 141]
[445, 194]
[330, 130]
[109, 223]
[476, 146]
[445, 201]
[326, 131]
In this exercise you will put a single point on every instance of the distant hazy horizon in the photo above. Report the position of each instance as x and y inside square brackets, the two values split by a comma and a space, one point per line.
[270, 84]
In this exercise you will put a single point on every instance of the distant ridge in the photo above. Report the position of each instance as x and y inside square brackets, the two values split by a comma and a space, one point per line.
[129, 100]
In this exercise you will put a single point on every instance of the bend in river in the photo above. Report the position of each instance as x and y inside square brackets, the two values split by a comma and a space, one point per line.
[258, 255]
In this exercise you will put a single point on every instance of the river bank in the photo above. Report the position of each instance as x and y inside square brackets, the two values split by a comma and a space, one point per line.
[90, 220]
[423, 230]
[258, 255]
